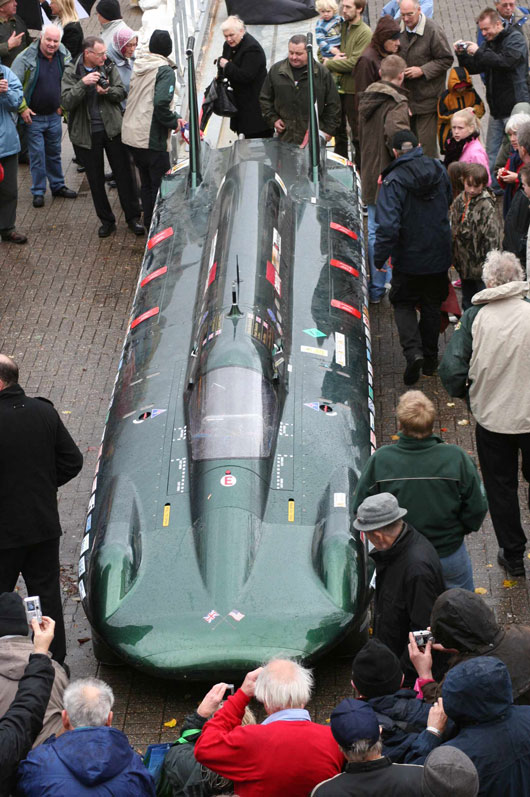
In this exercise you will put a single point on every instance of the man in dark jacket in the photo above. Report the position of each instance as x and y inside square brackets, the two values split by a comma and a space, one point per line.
[377, 677]
[90, 756]
[412, 218]
[495, 734]
[150, 117]
[284, 97]
[436, 482]
[503, 59]
[37, 455]
[245, 65]
[94, 126]
[355, 728]
[22, 722]
[383, 111]
[14, 36]
[518, 217]
[408, 573]
[463, 621]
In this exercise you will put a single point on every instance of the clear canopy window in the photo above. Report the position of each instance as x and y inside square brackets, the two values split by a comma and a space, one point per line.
[233, 415]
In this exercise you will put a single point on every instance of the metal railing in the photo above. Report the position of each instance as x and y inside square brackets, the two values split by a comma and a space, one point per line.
[190, 19]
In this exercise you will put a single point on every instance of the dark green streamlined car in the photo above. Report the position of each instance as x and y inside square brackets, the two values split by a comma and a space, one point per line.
[219, 529]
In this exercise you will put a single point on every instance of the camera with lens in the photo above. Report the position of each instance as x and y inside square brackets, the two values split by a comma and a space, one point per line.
[103, 79]
[422, 637]
[461, 46]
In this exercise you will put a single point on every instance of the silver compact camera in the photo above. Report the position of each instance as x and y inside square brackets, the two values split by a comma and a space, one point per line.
[33, 609]
[422, 637]
[461, 46]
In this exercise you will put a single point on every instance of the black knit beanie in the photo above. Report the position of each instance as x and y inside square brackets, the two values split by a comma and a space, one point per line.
[376, 670]
[13, 621]
[109, 9]
[160, 43]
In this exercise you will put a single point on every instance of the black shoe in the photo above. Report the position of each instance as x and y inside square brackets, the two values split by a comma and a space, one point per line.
[108, 177]
[430, 365]
[81, 169]
[413, 369]
[515, 567]
[112, 183]
[13, 237]
[66, 193]
[136, 227]
[106, 229]
[38, 201]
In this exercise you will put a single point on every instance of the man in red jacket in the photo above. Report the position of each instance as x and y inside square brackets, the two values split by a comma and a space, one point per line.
[287, 753]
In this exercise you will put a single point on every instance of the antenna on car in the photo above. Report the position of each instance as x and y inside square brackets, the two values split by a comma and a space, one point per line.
[195, 177]
[235, 312]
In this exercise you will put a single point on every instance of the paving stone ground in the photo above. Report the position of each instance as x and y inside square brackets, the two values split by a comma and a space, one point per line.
[64, 305]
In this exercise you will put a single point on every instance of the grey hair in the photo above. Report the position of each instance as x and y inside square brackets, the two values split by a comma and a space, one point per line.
[233, 22]
[523, 136]
[362, 749]
[416, 3]
[500, 268]
[514, 122]
[277, 692]
[393, 528]
[88, 702]
[54, 27]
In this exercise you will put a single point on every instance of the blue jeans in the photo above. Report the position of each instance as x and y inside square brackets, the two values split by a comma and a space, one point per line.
[457, 570]
[494, 139]
[377, 278]
[44, 146]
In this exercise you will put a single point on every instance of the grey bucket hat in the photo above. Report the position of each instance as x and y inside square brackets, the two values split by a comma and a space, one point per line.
[377, 511]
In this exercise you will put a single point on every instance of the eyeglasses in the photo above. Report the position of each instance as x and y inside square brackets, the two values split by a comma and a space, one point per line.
[96, 52]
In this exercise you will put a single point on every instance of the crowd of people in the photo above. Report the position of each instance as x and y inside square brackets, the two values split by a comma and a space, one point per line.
[439, 699]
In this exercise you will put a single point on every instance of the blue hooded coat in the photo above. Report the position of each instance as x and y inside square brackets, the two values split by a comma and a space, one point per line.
[86, 761]
[9, 102]
[494, 733]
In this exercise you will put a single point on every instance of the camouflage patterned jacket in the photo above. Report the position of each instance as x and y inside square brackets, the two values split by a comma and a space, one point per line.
[475, 229]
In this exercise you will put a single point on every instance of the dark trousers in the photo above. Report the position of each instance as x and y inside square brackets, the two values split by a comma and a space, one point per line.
[39, 565]
[348, 118]
[92, 160]
[469, 289]
[498, 455]
[9, 193]
[152, 166]
[426, 291]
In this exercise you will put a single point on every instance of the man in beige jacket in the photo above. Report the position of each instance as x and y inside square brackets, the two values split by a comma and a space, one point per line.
[487, 362]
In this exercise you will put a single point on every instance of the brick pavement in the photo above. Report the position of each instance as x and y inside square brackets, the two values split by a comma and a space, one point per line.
[64, 304]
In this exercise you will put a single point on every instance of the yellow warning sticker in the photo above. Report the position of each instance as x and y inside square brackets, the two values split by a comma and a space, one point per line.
[314, 350]
[167, 510]
[290, 511]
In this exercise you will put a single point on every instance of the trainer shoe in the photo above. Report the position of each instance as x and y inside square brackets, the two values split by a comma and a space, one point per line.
[515, 567]
[413, 370]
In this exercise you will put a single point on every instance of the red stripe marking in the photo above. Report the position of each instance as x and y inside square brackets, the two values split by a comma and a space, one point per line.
[345, 230]
[212, 273]
[345, 267]
[154, 275]
[148, 314]
[160, 236]
[346, 307]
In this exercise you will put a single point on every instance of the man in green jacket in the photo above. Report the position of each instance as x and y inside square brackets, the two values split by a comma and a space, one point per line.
[91, 94]
[437, 483]
[284, 97]
[355, 38]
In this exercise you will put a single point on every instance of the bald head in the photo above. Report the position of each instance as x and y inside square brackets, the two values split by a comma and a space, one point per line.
[283, 684]
[8, 371]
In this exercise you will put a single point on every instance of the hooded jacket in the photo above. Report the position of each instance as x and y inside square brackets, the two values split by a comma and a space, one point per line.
[412, 215]
[463, 620]
[451, 101]
[149, 117]
[486, 359]
[93, 761]
[14, 656]
[282, 98]
[366, 70]
[504, 62]
[476, 230]
[383, 110]
[493, 732]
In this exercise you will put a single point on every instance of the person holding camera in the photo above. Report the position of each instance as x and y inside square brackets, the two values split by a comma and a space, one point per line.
[503, 59]
[92, 93]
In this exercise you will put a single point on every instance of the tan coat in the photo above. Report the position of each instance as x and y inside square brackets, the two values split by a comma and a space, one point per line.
[383, 110]
[427, 48]
[14, 656]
